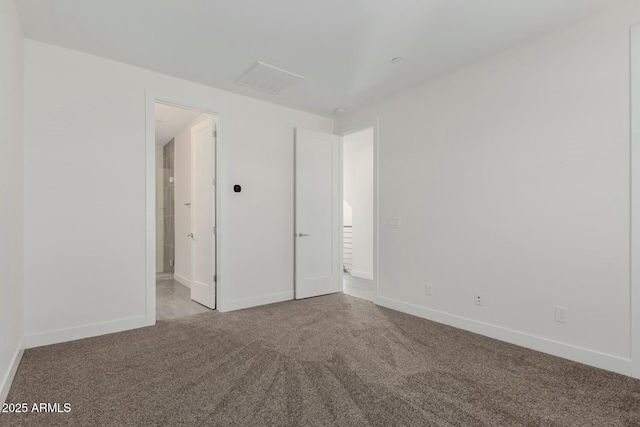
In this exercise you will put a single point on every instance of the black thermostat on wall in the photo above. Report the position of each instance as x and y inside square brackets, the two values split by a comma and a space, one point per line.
[237, 188]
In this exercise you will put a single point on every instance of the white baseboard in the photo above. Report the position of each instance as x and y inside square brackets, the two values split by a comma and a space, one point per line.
[5, 386]
[182, 280]
[362, 274]
[577, 354]
[161, 277]
[86, 331]
[254, 302]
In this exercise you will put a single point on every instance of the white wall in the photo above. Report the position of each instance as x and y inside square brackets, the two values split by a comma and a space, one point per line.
[183, 186]
[347, 213]
[11, 193]
[159, 209]
[358, 193]
[511, 177]
[85, 152]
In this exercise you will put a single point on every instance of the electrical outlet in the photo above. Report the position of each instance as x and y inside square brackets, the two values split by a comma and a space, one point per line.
[479, 299]
[428, 289]
[562, 314]
[171, 262]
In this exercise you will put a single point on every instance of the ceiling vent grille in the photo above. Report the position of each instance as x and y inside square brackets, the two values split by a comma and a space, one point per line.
[268, 78]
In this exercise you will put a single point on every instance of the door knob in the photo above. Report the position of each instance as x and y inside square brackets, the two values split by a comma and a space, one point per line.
[190, 235]
[188, 205]
[303, 235]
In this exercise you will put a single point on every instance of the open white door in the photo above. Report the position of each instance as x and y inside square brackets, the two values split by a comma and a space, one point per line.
[317, 213]
[203, 213]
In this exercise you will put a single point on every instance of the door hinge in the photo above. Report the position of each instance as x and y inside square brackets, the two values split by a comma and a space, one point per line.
[214, 181]
[214, 230]
[215, 278]
[215, 133]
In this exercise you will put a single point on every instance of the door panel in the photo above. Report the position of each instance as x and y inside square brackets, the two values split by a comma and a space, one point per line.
[317, 213]
[203, 213]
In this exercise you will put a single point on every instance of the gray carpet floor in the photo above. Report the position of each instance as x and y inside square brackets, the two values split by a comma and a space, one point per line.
[333, 360]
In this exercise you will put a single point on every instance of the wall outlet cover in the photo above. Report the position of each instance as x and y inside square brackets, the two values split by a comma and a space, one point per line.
[562, 314]
[478, 299]
[428, 289]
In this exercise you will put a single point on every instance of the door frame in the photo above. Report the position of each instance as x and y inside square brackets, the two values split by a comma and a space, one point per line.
[343, 129]
[635, 200]
[195, 103]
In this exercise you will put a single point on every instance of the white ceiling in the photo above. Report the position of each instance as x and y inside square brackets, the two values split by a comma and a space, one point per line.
[343, 48]
[171, 120]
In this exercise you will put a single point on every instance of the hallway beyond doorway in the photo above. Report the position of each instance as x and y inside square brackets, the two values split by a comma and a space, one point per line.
[174, 300]
[357, 287]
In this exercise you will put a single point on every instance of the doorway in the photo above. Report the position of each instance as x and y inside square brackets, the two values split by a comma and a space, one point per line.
[336, 219]
[358, 213]
[185, 214]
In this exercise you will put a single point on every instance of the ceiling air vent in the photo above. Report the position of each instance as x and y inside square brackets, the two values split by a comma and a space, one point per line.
[268, 78]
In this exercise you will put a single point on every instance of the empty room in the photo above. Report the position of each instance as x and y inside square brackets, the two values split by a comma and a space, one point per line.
[318, 213]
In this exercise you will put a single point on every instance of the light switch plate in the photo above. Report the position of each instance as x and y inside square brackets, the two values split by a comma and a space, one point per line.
[394, 222]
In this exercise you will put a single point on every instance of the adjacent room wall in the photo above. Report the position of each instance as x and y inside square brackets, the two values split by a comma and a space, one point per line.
[85, 153]
[358, 194]
[11, 193]
[168, 202]
[511, 179]
[159, 209]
